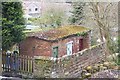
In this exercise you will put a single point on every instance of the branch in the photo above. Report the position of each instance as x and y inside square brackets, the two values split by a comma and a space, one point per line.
[107, 7]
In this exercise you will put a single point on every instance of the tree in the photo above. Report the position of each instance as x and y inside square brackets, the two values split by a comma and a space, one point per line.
[52, 17]
[118, 49]
[104, 18]
[12, 24]
[101, 17]
[77, 13]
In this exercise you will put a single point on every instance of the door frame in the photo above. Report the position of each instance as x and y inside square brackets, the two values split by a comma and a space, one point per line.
[81, 45]
[71, 42]
[53, 53]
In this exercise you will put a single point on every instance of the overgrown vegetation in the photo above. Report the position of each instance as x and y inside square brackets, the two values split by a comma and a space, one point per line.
[118, 60]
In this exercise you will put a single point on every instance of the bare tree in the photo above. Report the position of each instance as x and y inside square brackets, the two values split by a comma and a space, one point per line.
[105, 16]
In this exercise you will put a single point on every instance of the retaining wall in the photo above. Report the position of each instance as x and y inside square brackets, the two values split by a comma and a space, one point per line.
[68, 66]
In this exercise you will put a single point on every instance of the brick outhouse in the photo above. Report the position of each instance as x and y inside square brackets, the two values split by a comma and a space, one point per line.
[65, 40]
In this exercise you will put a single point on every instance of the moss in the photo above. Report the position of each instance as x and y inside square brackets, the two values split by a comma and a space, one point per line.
[69, 30]
[62, 32]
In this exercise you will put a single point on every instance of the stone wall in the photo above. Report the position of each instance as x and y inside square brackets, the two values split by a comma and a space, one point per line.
[42, 68]
[68, 66]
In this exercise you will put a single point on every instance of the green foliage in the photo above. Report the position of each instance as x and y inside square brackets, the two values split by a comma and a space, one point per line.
[51, 18]
[12, 24]
[114, 45]
[118, 62]
[54, 16]
[119, 50]
[82, 34]
[77, 12]
[118, 44]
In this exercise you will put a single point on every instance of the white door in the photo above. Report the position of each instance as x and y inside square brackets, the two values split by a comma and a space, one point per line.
[69, 48]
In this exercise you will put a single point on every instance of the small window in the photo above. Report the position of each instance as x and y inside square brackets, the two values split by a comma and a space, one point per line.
[36, 9]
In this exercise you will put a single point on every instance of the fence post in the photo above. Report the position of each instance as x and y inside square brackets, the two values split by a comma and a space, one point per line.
[7, 64]
[15, 61]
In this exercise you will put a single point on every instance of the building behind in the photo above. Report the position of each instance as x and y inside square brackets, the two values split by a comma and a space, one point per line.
[36, 8]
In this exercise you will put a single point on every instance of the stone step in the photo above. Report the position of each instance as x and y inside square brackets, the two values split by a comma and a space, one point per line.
[9, 78]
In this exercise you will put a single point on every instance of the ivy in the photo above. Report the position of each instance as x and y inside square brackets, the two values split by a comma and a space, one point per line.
[78, 34]
[82, 34]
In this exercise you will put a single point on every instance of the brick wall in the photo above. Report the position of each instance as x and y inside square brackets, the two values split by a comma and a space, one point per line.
[75, 46]
[37, 47]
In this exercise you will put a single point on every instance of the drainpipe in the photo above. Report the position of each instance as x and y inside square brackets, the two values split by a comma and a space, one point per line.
[33, 49]
[90, 35]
